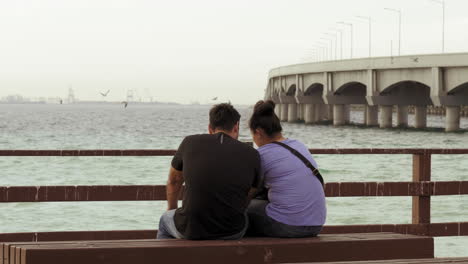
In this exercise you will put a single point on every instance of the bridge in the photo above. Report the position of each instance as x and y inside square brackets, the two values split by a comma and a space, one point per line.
[320, 91]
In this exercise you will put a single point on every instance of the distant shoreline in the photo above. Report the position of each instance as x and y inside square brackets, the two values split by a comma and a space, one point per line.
[112, 103]
[95, 102]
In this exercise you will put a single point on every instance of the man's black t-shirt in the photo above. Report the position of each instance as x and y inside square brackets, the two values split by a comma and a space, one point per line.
[218, 172]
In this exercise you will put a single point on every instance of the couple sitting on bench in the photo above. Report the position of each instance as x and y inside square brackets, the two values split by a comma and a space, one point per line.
[224, 179]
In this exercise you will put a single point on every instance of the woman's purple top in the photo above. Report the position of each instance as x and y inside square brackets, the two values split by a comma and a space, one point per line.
[296, 195]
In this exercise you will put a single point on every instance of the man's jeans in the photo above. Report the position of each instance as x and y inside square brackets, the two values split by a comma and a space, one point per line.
[168, 230]
[260, 224]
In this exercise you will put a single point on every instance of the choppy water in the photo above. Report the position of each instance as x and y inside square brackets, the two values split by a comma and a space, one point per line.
[163, 127]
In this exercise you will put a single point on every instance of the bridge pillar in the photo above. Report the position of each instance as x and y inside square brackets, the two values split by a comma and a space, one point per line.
[309, 114]
[420, 117]
[347, 114]
[372, 115]
[303, 111]
[328, 111]
[339, 117]
[317, 113]
[452, 118]
[284, 112]
[278, 110]
[364, 115]
[402, 116]
[292, 112]
[386, 115]
[299, 112]
[321, 112]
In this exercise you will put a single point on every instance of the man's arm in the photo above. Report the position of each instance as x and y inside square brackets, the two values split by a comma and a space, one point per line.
[257, 181]
[173, 188]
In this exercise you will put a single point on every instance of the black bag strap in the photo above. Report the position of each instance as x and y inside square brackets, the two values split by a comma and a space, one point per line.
[309, 165]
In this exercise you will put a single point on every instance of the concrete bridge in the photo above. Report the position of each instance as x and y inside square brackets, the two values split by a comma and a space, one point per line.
[320, 91]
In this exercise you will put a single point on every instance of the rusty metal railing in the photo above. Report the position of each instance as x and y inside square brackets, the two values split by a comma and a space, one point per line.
[421, 188]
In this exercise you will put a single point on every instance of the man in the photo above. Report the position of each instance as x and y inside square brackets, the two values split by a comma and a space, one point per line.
[220, 174]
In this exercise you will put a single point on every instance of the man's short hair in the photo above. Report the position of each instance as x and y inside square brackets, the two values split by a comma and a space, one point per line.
[223, 116]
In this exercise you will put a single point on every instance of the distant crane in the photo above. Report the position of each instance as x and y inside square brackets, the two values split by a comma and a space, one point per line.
[130, 97]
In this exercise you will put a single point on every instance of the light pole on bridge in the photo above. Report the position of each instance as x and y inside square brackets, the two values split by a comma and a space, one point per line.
[318, 52]
[331, 46]
[442, 2]
[369, 21]
[336, 42]
[322, 50]
[341, 40]
[314, 55]
[311, 55]
[350, 25]
[399, 26]
[327, 52]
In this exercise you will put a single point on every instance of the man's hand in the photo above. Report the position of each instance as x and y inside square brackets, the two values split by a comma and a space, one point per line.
[251, 195]
[173, 188]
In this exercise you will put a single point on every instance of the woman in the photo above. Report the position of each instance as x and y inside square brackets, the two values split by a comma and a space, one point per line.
[296, 199]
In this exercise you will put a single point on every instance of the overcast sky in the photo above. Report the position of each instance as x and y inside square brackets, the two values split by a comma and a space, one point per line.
[185, 51]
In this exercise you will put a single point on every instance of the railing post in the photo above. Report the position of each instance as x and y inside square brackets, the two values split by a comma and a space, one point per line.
[421, 204]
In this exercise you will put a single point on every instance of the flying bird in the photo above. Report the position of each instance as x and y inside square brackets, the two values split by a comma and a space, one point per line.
[215, 98]
[105, 94]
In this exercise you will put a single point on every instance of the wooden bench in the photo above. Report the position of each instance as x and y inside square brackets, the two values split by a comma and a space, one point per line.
[342, 247]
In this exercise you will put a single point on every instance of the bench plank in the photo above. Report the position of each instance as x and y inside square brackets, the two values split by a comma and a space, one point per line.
[374, 246]
[7, 248]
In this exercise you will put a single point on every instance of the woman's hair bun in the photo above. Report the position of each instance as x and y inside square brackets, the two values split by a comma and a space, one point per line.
[264, 117]
[264, 108]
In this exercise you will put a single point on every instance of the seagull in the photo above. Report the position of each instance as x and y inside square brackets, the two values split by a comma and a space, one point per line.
[105, 94]
[215, 98]
[125, 104]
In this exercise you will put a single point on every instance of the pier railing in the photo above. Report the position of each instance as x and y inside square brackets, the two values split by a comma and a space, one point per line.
[420, 188]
